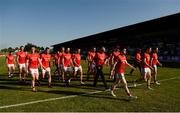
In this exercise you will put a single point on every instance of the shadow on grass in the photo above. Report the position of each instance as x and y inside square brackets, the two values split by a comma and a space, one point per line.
[14, 88]
[61, 92]
[107, 96]
[97, 95]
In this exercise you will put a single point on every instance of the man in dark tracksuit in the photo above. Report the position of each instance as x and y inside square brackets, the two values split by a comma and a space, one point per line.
[100, 60]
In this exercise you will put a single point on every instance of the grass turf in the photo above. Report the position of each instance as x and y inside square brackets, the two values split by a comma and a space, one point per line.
[163, 98]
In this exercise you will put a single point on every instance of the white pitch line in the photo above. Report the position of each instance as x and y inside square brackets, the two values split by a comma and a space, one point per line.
[159, 81]
[65, 97]
[50, 99]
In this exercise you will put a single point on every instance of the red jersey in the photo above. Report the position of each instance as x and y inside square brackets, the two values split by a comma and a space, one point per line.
[10, 59]
[121, 64]
[56, 56]
[155, 59]
[77, 58]
[22, 57]
[67, 59]
[100, 58]
[91, 55]
[138, 57]
[147, 57]
[46, 60]
[33, 60]
[61, 56]
[116, 53]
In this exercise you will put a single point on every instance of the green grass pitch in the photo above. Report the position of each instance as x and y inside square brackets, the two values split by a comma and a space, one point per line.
[18, 97]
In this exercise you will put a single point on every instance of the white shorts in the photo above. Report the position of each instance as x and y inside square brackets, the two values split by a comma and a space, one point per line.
[155, 68]
[78, 68]
[68, 69]
[22, 66]
[34, 71]
[11, 65]
[147, 70]
[47, 70]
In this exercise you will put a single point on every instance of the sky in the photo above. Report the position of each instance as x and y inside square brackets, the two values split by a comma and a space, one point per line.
[49, 22]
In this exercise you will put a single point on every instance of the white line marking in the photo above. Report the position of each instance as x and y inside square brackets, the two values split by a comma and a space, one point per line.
[65, 97]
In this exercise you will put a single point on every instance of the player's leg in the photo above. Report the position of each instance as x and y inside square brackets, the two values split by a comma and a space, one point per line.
[88, 71]
[49, 77]
[23, 72]
[81, 75]
[155, 75]
[12, 69]
[111, 76]
[32, 71]
[113, 87]
[146, 74]
[126, 88]
[43, 73]
[96, 77]
[149, 79]
[62, 73]
[36, 73]
[20, 72]
[103, 78]
[9, 71]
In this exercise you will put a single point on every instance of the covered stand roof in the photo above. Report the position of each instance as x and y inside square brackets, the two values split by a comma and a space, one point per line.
[164, 29]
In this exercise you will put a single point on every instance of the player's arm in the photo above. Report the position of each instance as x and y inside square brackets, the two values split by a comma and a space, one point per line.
[15, 62]
[63, 61]
[147, 64]
[159, 63]
[87, 58]
[94, 60]
[71, 61]
[6, 60]
[27, 63]
[40, 62]
[17, 58]
[106, 61]
[138, 60]
[113, 59]
[74, 61]
[50, 62]
[112, 70]
[151, 61]
[129, 65]
[59, 60]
